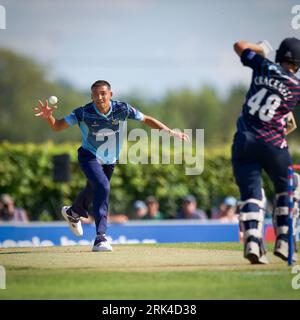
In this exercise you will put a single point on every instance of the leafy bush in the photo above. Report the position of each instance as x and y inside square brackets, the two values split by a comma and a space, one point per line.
[26, 174]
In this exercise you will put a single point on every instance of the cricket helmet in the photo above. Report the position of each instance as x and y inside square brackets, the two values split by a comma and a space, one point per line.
[289, 51]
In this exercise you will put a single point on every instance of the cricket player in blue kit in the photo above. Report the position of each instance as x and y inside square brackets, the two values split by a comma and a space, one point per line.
[260, 144]
[98, 121]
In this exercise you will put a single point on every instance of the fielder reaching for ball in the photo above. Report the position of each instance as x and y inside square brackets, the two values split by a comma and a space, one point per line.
[260, 143]
[98, 121]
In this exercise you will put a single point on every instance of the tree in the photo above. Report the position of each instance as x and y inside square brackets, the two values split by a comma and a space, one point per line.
[22, 83]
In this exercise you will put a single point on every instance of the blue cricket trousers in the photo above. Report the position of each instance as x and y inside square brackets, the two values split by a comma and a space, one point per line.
[250, 156]
[96, 190]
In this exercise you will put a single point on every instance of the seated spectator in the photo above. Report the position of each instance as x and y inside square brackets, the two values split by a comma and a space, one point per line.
[111, 218]
[227, 211]
[117, 218]
[140, 209]
[153, 209]
[1, 207]
[9, 212]
[189, 209]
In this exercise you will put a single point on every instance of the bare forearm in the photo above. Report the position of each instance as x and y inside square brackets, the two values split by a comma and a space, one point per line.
[56, 124]
[240, 46]
[156, 124]
[51, 122]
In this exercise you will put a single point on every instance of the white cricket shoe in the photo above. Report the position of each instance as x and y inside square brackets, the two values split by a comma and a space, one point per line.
[282, 250]
[101, 244]
[253, 254]
[74, 223]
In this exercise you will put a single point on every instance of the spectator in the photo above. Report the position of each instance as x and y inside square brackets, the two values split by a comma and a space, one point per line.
[189, 209]
[117, 218]
[140, 209]
[227, 211]
[111, 218]
[8, 211]
[153, 209]
[1, 207]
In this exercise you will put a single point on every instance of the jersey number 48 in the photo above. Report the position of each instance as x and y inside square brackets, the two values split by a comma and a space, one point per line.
[266, 111]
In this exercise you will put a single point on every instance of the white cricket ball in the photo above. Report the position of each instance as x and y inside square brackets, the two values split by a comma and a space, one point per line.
[52, 100]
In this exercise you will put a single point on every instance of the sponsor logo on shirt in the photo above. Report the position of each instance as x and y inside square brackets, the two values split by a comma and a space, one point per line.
[95, 124]
[105, 133]
[251, 54]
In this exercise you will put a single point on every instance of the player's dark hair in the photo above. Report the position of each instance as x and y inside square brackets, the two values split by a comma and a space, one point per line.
[100, 83]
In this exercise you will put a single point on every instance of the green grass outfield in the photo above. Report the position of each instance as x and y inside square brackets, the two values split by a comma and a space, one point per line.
[158, 271]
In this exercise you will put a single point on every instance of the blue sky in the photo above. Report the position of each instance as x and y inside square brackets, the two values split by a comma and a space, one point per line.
[147, 45]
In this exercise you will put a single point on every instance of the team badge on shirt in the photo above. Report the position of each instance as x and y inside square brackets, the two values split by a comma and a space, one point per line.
[251, 54]
[115, 121]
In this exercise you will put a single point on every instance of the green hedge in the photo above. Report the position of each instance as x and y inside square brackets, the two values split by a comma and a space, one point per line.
[26, 174]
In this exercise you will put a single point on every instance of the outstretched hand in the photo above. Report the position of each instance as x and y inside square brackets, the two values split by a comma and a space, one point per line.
[44, 110]
[180, 135]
